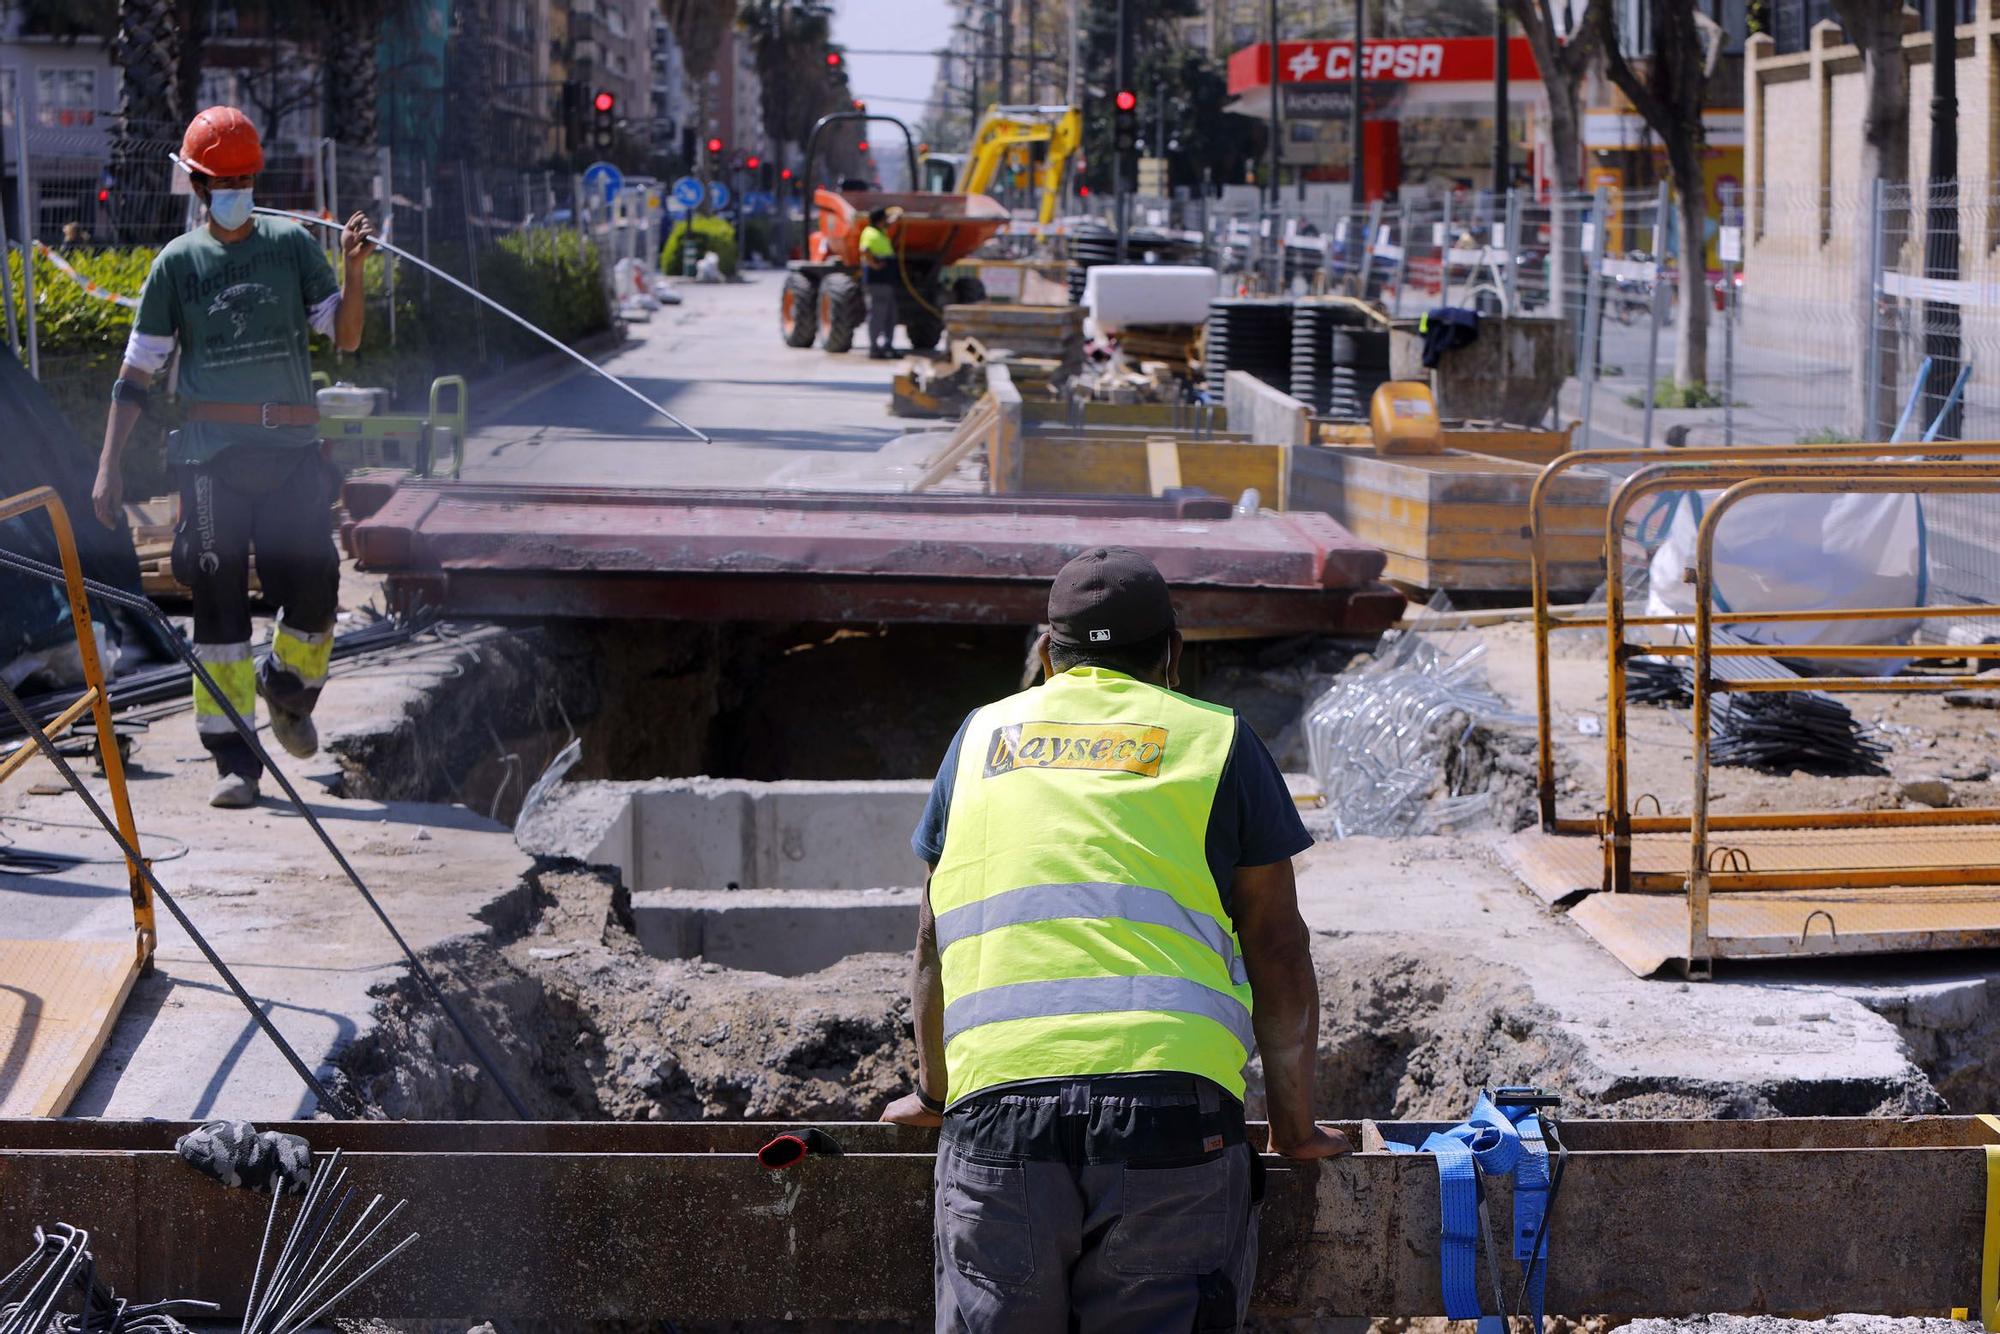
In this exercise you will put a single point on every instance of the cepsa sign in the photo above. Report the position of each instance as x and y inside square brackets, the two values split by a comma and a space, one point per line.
[1405, 60]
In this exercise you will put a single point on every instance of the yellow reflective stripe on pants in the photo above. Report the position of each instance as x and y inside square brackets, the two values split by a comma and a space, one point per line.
[235, 674]
[303, 655]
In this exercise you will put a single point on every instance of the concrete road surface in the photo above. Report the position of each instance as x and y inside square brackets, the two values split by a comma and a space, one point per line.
[777, 415]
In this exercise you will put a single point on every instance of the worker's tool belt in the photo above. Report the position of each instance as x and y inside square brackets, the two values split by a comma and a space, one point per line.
[267, 415]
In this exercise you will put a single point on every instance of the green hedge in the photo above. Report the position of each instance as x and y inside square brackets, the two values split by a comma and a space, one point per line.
[554, 279]
[710, 235]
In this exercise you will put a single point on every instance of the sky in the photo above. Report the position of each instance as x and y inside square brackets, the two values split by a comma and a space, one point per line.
[903, 25]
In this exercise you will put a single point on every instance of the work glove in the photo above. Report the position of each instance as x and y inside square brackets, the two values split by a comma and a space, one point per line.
[236, 1153]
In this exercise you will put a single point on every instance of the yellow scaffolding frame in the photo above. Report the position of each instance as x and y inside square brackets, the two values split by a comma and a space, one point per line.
[1955, 468]
[95, 700]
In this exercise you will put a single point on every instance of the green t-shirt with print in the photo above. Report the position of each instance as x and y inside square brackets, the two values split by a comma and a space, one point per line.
[240, 313]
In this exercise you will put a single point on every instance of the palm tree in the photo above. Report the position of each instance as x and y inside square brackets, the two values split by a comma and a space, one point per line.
[146, 47]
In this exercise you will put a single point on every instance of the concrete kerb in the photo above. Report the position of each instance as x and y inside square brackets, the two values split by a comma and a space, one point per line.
[783, 877]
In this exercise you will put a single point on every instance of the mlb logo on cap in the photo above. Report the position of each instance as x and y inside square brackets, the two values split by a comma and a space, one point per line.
[1100, 636]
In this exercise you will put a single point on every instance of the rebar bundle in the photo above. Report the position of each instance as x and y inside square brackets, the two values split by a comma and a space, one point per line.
[1379, 737]
[298, 1289]
[36, 1295]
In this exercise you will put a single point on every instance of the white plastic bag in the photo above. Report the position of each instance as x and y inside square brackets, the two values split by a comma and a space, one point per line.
[1801, 553]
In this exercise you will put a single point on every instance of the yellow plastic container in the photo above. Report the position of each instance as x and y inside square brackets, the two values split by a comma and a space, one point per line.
[1404, 418]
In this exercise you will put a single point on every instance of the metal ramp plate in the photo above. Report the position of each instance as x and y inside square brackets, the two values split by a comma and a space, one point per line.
[1646, 932]
[1560, 867]
[58, 1001]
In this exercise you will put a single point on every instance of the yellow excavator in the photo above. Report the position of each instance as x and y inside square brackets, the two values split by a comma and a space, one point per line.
[1018, 152]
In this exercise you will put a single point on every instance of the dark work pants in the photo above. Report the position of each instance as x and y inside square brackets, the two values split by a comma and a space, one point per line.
[881, 314]
[277, 502]
[1124, 1206]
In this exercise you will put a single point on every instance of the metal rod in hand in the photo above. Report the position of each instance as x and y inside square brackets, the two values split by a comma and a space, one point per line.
[474, 292]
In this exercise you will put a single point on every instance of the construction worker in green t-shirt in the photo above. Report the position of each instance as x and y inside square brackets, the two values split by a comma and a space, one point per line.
[878, 264]
[239, 298]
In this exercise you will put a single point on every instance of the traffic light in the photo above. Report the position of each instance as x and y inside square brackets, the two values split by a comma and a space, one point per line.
[603, 108]
[833, 60]
[572, 116]
[784, 173]
[753, 162]
[1125, 121]
[713, 159]
[864, 145]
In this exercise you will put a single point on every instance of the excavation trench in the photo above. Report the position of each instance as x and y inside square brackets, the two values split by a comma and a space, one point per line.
[724, 896]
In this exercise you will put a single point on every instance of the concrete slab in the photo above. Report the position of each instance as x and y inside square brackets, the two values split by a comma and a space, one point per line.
[783, 931]
[711, 833]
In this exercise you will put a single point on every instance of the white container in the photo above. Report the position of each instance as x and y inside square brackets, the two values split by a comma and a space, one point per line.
[346, 400]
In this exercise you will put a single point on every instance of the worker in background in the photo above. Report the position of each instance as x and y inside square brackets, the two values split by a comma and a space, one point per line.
[878, 263]
[1109, 928]
[239, 298]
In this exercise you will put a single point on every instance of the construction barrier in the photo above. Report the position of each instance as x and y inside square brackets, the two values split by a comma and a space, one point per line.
[63, 996]
[1789, 882]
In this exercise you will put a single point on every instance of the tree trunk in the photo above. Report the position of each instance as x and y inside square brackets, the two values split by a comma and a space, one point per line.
[1877, 33]
[1691, 332]
[351, 75]
[146, 50]
[191, 22]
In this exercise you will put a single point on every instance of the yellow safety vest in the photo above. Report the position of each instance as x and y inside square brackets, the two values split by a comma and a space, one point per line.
[1079, 927]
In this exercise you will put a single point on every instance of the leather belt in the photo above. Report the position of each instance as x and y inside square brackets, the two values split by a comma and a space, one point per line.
[267, 415]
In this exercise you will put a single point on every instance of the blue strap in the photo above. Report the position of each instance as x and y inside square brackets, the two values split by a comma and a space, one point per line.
[1493, 1141]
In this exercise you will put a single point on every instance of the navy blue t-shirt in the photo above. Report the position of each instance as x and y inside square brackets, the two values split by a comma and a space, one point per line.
[1254, 821]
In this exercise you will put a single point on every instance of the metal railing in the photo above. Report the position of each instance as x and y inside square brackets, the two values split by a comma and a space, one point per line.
[95, 701]
[1962, 469]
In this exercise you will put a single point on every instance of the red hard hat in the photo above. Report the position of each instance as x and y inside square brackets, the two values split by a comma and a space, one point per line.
[221, 141]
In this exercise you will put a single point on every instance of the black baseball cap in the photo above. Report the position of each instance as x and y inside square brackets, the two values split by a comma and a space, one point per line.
[1109, 597]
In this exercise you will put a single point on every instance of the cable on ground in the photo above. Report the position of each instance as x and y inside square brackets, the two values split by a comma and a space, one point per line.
[118, 597]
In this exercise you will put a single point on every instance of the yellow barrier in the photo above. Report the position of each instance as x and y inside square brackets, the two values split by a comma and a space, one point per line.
[95, 700]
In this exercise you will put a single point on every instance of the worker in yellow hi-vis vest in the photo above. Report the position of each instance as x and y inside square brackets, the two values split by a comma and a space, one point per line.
[1110, 927]
[882, 278]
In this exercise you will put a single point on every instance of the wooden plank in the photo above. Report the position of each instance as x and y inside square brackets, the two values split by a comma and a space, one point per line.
[1565, 520]
[1444, 539]
[1097, 467]
[973, 433]
[1483, 576]
[1163, 465]
[58, 1002]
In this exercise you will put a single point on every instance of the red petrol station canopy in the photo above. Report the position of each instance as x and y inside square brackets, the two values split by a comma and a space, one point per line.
[1400, 60]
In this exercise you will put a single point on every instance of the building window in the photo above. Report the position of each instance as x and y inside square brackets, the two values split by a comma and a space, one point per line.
[65, 98]
[220, 88]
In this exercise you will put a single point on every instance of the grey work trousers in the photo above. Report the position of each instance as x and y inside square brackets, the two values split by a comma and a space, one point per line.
[1125, 1205]
[881, 315]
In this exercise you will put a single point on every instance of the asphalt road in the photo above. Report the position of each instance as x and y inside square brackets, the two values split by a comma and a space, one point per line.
[773, 413]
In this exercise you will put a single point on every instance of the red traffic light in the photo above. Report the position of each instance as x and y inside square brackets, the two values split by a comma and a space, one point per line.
[864, 145]
[103, 195]
[604, 100]
[1127, 100]
[715, 145]
[1083, 190]
[833, 60]
[784, 173]
[753, 162]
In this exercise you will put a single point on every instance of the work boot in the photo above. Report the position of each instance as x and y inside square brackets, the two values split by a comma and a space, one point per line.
[295, 731]
[233, 792]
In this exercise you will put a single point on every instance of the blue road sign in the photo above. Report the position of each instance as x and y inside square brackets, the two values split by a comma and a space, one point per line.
[687, 193]
[718, 196]
[603, 176]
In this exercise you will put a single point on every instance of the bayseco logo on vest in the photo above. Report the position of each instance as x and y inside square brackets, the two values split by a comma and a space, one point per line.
[1130, 748]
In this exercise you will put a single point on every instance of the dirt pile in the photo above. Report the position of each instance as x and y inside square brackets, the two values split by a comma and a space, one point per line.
[586, 1025]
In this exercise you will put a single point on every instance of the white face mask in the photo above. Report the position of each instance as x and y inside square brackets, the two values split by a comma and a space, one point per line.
[229, 209]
